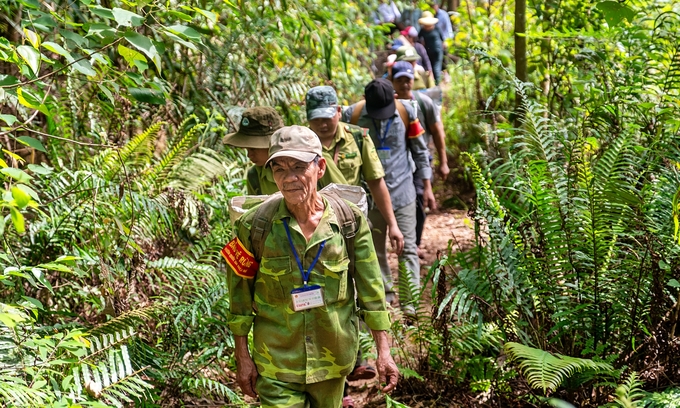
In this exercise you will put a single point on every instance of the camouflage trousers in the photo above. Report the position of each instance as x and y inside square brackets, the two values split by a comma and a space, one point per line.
[279, 394]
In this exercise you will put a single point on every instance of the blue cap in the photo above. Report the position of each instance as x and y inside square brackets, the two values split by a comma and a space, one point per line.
[397, 44]
[401, 69]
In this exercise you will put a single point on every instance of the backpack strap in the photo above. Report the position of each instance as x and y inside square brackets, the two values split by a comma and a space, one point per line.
[403, 114]
[262, 224]
[420, 102]
[356, 113]
[348, 225]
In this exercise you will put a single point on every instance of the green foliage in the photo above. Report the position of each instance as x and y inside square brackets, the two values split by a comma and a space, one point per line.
[669, 398]
[547, 371]
[628, 393]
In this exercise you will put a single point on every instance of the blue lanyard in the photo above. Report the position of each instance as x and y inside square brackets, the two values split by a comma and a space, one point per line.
[387, 129]
[305, 276]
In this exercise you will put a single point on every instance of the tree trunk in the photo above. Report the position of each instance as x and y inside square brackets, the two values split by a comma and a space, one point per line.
[520, 51]
[453, 5]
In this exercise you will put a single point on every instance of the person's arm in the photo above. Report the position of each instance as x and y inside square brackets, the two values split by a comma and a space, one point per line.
[421, 157]
[439, 139]
[381, 197]
[424, 59]
[246, 372]
[387, 369]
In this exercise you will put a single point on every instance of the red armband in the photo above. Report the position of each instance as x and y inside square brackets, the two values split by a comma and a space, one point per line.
[240, 259]
[415, 129]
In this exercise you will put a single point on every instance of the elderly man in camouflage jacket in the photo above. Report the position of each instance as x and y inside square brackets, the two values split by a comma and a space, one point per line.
[299, 296]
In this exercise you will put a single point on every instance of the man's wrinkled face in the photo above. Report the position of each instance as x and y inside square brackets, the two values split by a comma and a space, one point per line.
[258, 156]
[326, 128]
[402, 86]
[297, 179]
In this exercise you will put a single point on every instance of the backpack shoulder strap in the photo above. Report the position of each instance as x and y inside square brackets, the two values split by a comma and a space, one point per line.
[356, 113]
[253, 181]
[348, 225]
[420, 101]
[403, 114]
[262, 224]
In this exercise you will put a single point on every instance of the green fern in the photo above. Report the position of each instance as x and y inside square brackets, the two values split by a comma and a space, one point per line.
[547, 371]
[669, 398]
[630, 392]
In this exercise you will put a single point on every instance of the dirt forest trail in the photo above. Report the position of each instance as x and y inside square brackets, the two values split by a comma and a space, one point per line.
[440, 227]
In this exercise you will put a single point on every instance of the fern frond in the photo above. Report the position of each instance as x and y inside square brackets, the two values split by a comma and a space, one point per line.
[173, 156]
[200, 383]
[547, 371]
[629, 392]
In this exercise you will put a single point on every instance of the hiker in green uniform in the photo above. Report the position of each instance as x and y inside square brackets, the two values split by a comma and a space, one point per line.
[294, 277]
[256, 128]
[350, 148]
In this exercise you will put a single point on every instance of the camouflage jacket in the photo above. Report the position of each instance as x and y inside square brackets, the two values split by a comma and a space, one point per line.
[316, 344]
[354, 162]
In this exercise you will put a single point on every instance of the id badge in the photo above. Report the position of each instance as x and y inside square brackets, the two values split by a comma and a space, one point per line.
[307, 297]
[384, 153]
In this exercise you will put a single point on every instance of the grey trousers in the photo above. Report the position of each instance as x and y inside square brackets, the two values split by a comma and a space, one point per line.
[406, 220]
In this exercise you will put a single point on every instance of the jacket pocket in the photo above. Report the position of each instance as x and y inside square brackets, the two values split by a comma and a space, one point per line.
[269, 282]
[336, 280]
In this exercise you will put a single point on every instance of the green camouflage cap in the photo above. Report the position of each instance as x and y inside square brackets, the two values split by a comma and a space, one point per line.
[407, 53]
[256, 128]
[321, 102]
[298, 142]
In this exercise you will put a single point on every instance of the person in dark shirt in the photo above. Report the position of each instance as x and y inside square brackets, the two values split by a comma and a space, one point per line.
[433, 39]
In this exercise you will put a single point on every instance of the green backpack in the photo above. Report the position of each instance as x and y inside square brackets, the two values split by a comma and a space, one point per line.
[262, 224]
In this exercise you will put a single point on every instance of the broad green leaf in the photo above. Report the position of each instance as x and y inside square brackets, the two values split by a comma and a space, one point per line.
[107, 92]
[147, 95]
[127, 18]
[181, 41]
[210, 15]
[17, 174]
[40, 169]
[32, 37]
[55, 267]
[17, 220]
[29, 100]
[57, 49]
[130, 55]
[6, 80]
[14, 156]
[146, 46]
[35, 302]
[20, 197]
[101, 31]
[31, 56]
[76, 38]
[32, 142]
[3, 164]
[84, 67]
[185, 31]
[615, 12]
[34, 4]
[102, 12]
[26, 189]
[9, 119]
[674, 283]
[180, 15]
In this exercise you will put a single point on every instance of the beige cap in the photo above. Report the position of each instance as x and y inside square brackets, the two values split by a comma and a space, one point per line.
[298, 142]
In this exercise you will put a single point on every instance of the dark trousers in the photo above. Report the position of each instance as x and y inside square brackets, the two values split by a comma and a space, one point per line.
[420, 218]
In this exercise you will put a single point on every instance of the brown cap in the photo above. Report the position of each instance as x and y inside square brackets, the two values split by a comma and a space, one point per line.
[298, 142]
[256, 128]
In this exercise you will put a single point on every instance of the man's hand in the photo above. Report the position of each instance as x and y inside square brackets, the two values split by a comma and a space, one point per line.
[246, 375]
[396, 238]
[387, 372]
[246, 372]
[444, 170]
[428, 196]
